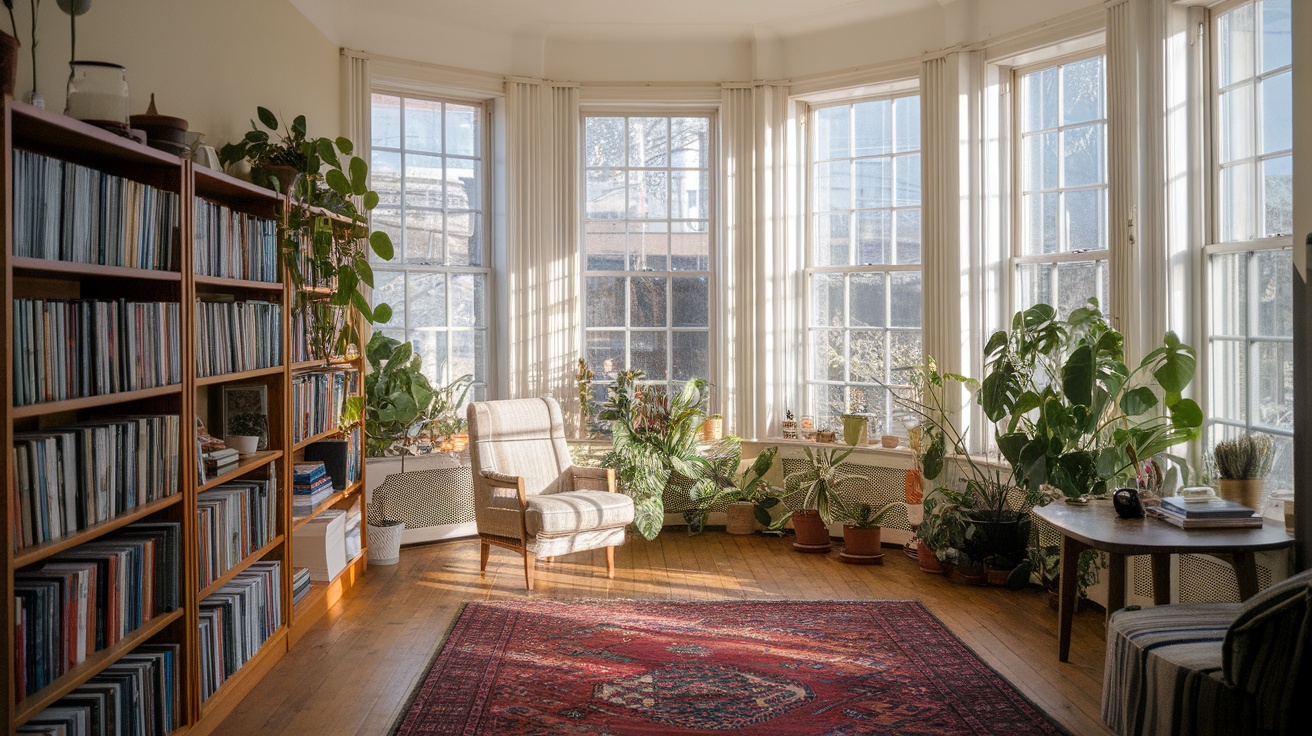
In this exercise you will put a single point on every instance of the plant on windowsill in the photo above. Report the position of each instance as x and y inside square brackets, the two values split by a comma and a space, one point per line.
[819, 483]
[326, 241]
[1242, 466]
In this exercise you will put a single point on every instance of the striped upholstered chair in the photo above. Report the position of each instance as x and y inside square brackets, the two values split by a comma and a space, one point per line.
[1213, 668]
[528, 495]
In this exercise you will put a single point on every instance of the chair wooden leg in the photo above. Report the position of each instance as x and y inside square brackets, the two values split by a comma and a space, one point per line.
[528, 568]
[483, 551]
[610, 562]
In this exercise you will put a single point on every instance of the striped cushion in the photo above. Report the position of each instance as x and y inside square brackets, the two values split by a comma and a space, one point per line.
[1266, 649]
[576, 511]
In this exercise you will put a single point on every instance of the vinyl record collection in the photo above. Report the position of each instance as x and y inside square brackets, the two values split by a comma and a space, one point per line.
[69, 478]
[135, 696]
[67, 349]
[67, 212]
[90, 597]
[317, 400]
[233, 520]
[236, 621]
[235, 245]
[237, 336]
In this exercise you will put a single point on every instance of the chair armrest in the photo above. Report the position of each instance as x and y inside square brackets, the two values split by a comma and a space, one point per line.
[600, 479]
[511, 482]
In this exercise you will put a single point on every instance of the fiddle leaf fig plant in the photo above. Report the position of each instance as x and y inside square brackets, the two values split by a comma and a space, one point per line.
[1073, 415]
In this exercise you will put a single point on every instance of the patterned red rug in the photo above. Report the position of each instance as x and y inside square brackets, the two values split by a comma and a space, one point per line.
[753, 667]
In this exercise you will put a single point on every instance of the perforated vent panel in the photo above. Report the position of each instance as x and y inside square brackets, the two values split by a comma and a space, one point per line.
[871, 485]
[1141, 573]
[1206, 579]
[426, 498]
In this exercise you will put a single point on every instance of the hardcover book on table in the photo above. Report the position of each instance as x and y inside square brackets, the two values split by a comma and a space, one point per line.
[1211, 508]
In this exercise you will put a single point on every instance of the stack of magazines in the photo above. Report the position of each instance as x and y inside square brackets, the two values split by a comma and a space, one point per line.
[1207, 512]
[310, 486]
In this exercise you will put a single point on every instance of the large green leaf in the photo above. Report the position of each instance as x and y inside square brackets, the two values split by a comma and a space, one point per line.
[1186, 414]
[1138, 401]
[402, 353]
[1177, 366]
[382, 313]
[267, 118]
[1077, 376]
[338, 182]
[381, 243]
[324, 148]
[359, 176]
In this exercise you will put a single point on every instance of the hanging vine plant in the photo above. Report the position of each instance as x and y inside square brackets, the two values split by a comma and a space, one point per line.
[326, 240]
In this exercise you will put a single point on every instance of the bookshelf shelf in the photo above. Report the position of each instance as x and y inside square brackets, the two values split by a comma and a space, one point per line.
[315, 438]
[92, 402]
[218, 186]
[327, 503]
[220, 282]
[319, 590]
[36, 553]
[44, 131]
[63, 269]
[236, 569]
[307, 365]
[244, 466]
[240, 376]
[93, 665]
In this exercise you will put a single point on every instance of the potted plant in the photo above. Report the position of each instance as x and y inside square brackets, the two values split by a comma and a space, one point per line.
[1242, 466]
[1071, 414]
[821, 505]
[245, 431]
[400, 407]
[1045, 563]
[713, 428]
[750, 500]
[941, 530]
[861, 533]
[583, 381]
[654, 435]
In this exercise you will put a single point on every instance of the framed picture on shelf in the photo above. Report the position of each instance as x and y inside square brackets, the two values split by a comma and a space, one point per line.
[240, 402]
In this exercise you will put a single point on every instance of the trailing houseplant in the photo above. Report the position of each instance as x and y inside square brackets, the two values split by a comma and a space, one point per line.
[1072, 414]
[326, 240]
[654, 434]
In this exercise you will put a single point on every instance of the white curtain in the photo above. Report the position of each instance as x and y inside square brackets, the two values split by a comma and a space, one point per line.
[357, 89]
[760, 367]
[542, 202]
[1122, 172]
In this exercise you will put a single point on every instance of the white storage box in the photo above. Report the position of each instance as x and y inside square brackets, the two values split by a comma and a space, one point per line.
[320, 545]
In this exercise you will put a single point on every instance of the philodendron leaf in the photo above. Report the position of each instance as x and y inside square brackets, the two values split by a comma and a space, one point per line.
[1136, 402]
[362, 305]
[337, 181]
[359, 176]
[370, 200]
[1077, 376]
[345, 146]
[298, 126]
[324, 147]
[1186, 414]
[381, 243]
[267, 117]
[402, 353]
[1176, 369]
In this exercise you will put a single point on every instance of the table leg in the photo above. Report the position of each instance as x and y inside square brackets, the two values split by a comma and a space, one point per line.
[1245, 565]
[1161, 578]
[1115, 582]
[1070, 562]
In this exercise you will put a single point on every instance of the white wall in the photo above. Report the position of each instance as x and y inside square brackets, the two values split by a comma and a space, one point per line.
[209, 62]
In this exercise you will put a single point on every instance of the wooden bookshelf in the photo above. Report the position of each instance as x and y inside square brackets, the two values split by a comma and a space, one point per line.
[327, 503]
[322, 596]
[321, 364]
[46, 133]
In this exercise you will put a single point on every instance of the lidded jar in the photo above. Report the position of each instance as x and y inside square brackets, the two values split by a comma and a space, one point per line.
[98, 93]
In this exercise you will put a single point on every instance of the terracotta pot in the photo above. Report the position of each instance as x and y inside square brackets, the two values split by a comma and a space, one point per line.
[968, 576]
[812, 534]
[859, 540]
[741, 518]
[997, 576]
[8, 64]
[713, 429]
[928, 560]
[1250, 492]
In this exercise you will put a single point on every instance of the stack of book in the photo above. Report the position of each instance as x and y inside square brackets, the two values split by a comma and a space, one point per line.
[236, 621]
[218, 462]
[1206, 513]
[321, 546]
[138, 694]
[310, 486]
[300, 583]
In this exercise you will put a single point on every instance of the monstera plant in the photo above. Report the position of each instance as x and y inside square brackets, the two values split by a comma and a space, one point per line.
[1073, 415]
[399, 402]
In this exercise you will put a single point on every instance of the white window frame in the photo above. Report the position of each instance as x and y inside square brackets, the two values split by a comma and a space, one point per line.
[811, 270]
[1214, 246]
[483, 385]
[1016, 258]
[714, 221]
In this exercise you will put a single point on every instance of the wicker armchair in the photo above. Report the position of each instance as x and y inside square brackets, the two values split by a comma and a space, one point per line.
[528, 495]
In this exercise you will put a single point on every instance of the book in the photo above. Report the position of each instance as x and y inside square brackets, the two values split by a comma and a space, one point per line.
[1209, 508]
[1183, 522]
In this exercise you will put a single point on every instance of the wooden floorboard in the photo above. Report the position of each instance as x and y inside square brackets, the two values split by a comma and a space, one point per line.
[354, 671]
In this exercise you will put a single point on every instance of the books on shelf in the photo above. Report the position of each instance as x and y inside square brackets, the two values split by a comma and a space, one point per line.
[236, 621]
[237, 336]
[317, 400]
[137, 695]
[1208, 507]
[235, 245]
[320, 545]
[70, 478]
[218, 462]
[233, 521]
[68, 349]
[311, 484]
[68, 212]
[92, 596]
[300, 583]
[352, 531]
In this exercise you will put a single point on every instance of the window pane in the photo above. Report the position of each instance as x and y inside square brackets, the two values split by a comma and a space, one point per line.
[874, 246]
[874, 183]
[873, 123]
[689, 142]
[1034, 285]
[427, 300]
[691, 355]
[833, 133]
[649, 246]
[905, 355]
[832, 239]
[423, 125]
[1237, 45]
[689, 197]
[1277, 26]
[1040, 223]
[461, 130]
[389, 289]
[906, 110]
[907, 191]
[868, 297]
[1275, 293]
[464, 186]
[1275, 385]
[1082, 87]
[1278, 196]
[468, 354]
[648, 299]
[1085, 219]
[423, 181]
[867, 363]
[467, 299]
[648, 350]
[1229, 294]
[827, 358]
[423, 236]
[1076, 283]
[464, 241]
[904, 298]
[833, 186]
[385, 177]
[1039, 98]
[1277, 113]
[1229, 379]
[1235, 131]
[604, 141]
[604, 246]
[827, 307]
[430, 345]
[690, 246]
[385, 121]
[649, 194]
[908, 236]
[649, 142]
[1236, 205]
[606, 353]
[605, 195]
[1083, 156]
[691, 302]
[1040, 150]
[828, 403]
[604, 301]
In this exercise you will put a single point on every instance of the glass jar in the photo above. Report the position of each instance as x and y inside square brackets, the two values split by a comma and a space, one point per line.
[98, 93]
